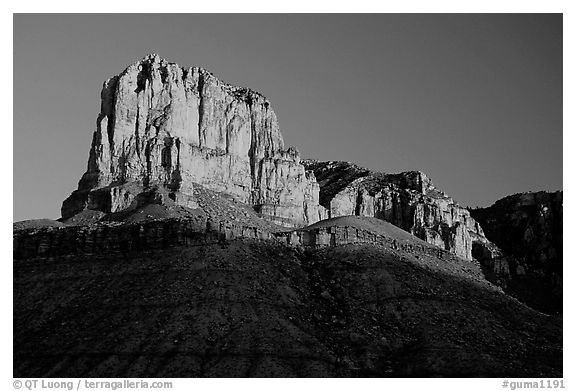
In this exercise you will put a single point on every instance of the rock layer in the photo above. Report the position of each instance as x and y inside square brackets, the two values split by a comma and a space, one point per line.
[127, 238]
[408, 200]
[161, 124]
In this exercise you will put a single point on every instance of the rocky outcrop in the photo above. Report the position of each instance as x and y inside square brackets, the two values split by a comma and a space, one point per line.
[129, 237]
[124, 238]
[408, 200]
[152, 221]
[161, 124]
[343, 235]
[528, 229]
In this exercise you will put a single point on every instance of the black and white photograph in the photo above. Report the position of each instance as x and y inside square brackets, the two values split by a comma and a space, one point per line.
[287, 195]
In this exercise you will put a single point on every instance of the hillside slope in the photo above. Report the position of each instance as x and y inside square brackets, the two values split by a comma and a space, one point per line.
[528, 229]
[258, 308]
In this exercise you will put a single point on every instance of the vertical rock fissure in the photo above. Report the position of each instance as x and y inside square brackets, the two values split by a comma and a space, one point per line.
[252, 150]
[146, 180]
[200, 106]
[137, 132]
[110, 123]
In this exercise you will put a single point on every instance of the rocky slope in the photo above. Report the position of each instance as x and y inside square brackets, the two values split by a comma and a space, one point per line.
[528, 229]
[152, 221]
[408, 200]
[260, 308]
[161, 124]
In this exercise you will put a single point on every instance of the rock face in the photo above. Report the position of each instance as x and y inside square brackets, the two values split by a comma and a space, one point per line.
[408, 200]
[341, 231]
[161, 124]
[126, 238]
[528, 229]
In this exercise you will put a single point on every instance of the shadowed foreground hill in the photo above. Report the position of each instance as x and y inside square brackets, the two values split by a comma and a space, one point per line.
[257, 308]
[528, 228]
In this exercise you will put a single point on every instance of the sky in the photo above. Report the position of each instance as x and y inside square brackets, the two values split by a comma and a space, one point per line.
[473, 100]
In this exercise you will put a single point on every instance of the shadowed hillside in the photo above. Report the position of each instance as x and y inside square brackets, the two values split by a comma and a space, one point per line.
[257, 308]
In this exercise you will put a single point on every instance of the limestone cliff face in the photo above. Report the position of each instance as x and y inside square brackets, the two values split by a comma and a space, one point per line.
[161, 124]
[408, 200]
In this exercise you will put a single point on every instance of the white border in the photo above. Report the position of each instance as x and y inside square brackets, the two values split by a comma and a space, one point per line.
[298, 6]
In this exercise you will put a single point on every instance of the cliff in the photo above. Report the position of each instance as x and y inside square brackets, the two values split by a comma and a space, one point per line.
[161, 124]
[528, 229]
[408, 200]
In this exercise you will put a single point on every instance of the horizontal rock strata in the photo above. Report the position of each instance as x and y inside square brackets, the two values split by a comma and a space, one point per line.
[100, 238]
[338, 236]
[109, 238]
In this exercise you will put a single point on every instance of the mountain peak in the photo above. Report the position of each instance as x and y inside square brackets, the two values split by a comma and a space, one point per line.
[176, 129]
[164, 125]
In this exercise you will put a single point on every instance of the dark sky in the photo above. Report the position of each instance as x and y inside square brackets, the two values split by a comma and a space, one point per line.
[475, 101]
